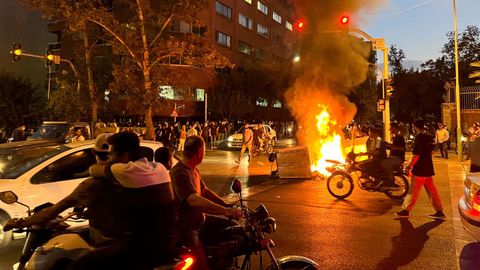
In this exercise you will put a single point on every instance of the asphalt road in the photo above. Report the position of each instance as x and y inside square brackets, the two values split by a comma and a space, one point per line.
[358, 233]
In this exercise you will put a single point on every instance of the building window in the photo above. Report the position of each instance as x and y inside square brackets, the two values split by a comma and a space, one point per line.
[277, 17]
[261, 54]
[223, 39]
[262, 8]
[199, 94]
[262, 30]
[166, 92]
[262, 102]
[289, 25]
[248, 2]
[223, 10]
[244, 47]
[277, 104]
[245, 21]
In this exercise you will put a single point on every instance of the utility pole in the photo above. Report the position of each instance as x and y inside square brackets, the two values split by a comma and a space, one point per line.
[457, 85]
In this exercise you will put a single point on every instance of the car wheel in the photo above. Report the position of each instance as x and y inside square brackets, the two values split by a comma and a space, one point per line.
[5, 237]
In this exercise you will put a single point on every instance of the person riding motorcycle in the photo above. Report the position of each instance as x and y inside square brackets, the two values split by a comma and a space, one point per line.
[107, 221]
[376, 151]
[149, 203]
[397, 155]
[196, 200]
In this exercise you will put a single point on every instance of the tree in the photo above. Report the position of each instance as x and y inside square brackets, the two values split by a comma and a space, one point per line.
[145, 48]
[73, 13]
[21, 102]
[395, 59]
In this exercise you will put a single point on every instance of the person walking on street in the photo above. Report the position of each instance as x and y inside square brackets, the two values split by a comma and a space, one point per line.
[441, 139]
[247, 144]
[222, 131]
[214, 135]
[205, 133]
[183, 137]
[422, 173]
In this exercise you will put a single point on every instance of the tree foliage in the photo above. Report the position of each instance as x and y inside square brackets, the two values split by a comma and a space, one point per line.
[21, 102]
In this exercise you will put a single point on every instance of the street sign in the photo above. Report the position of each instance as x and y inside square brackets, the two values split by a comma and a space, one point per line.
[381, 105]
[378, 43]
[381, 101]
[174, 113]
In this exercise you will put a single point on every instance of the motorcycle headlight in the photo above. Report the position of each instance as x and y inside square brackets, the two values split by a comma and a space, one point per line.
[269, 225]
[230, 139]
[464, 139]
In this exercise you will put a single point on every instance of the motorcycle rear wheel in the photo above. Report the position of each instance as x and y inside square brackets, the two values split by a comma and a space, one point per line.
[340, 184]
[295, 265]
[401, 181]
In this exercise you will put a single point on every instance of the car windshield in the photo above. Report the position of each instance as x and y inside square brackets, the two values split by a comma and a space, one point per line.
[14, 163]
[51, 132]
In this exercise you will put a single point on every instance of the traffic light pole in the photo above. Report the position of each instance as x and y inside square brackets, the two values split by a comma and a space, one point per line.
[380, 46]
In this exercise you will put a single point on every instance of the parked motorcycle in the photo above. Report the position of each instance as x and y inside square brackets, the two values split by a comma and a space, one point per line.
[409, 143]
[248, 239]
[340, 183]
[464, 140]
[55, 246]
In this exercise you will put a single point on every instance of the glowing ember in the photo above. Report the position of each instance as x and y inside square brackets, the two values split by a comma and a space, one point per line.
[329, 143]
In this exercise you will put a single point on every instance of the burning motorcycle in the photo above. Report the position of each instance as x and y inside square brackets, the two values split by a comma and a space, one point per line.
[248, 239]
[340, 183]
[55, 246]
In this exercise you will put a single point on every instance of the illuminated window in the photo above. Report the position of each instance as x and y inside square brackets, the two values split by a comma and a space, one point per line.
[277, 17]
[249, 1]
[245, 21]
[277, 104]
[223, 10]
[289, 25]
[223, 39]
[262, 30]
[199, 94]
[262, 8]
[262, 102]
[244, 47]
[166, 92]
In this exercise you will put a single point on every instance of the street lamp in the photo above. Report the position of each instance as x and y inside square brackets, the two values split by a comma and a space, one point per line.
[457, 84]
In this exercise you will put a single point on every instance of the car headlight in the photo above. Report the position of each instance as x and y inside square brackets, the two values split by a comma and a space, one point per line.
[230, 139]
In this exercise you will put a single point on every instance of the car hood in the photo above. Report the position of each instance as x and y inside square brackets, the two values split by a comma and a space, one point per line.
[5, 147]
[472, 179]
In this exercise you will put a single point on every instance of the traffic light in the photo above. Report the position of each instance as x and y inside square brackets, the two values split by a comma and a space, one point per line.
[476, 73]
[344, 20]
[300, 25]
[16, 52]
[48, 57]
[388, 88]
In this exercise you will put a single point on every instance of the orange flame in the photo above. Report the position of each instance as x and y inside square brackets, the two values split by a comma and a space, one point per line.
[329, 143]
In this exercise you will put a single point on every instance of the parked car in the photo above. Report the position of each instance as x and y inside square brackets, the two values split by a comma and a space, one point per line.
[469, 205]
[235, 141]
[61, 131]
[43, 171]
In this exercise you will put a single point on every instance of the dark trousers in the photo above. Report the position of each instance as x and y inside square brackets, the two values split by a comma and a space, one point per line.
[443, 147]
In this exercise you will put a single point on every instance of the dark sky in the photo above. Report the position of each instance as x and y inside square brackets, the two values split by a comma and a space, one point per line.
[17, 24]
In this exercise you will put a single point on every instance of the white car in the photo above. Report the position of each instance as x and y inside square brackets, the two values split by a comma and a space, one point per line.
[236, 140]
[469, 205]
[40, 172]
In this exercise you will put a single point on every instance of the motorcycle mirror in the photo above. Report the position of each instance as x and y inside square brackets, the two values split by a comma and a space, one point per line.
[236, 186]
[8, 197]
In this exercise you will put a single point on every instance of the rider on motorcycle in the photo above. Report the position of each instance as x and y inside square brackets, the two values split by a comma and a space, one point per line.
[196, 199]
[376, 151]
[106, 218]
[397, 155]
[148, 203]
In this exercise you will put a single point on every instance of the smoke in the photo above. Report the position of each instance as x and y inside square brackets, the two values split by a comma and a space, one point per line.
[333, 63]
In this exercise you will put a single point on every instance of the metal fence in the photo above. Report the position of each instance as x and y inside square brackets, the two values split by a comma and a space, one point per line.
[469, 97]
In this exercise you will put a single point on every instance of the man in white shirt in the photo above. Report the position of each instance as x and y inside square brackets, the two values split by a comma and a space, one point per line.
[441, 139]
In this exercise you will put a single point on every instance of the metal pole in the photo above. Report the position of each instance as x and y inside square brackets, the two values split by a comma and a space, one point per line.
[386, 120]
[49, 81]
[206, 106]
[457, 85]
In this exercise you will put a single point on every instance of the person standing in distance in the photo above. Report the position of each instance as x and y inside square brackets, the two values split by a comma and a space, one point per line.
[422, 173]
[247, 144]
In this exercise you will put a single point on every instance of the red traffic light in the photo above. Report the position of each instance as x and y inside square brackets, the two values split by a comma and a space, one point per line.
[344, 20]
[300, 25]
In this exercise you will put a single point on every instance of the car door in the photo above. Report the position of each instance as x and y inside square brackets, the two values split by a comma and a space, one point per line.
[56, 178]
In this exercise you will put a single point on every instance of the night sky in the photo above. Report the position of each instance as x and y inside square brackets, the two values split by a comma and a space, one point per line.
[17, 24]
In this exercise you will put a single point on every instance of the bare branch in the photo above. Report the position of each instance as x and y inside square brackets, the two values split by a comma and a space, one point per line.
[165, 24]
[118, 38]
[158, 60]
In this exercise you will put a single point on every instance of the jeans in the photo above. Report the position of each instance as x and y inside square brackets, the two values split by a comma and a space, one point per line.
[443, 147]
[245, 146]
[389, 165]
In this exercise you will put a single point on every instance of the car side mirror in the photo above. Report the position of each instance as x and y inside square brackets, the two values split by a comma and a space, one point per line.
[236, 186]
[8, 197]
